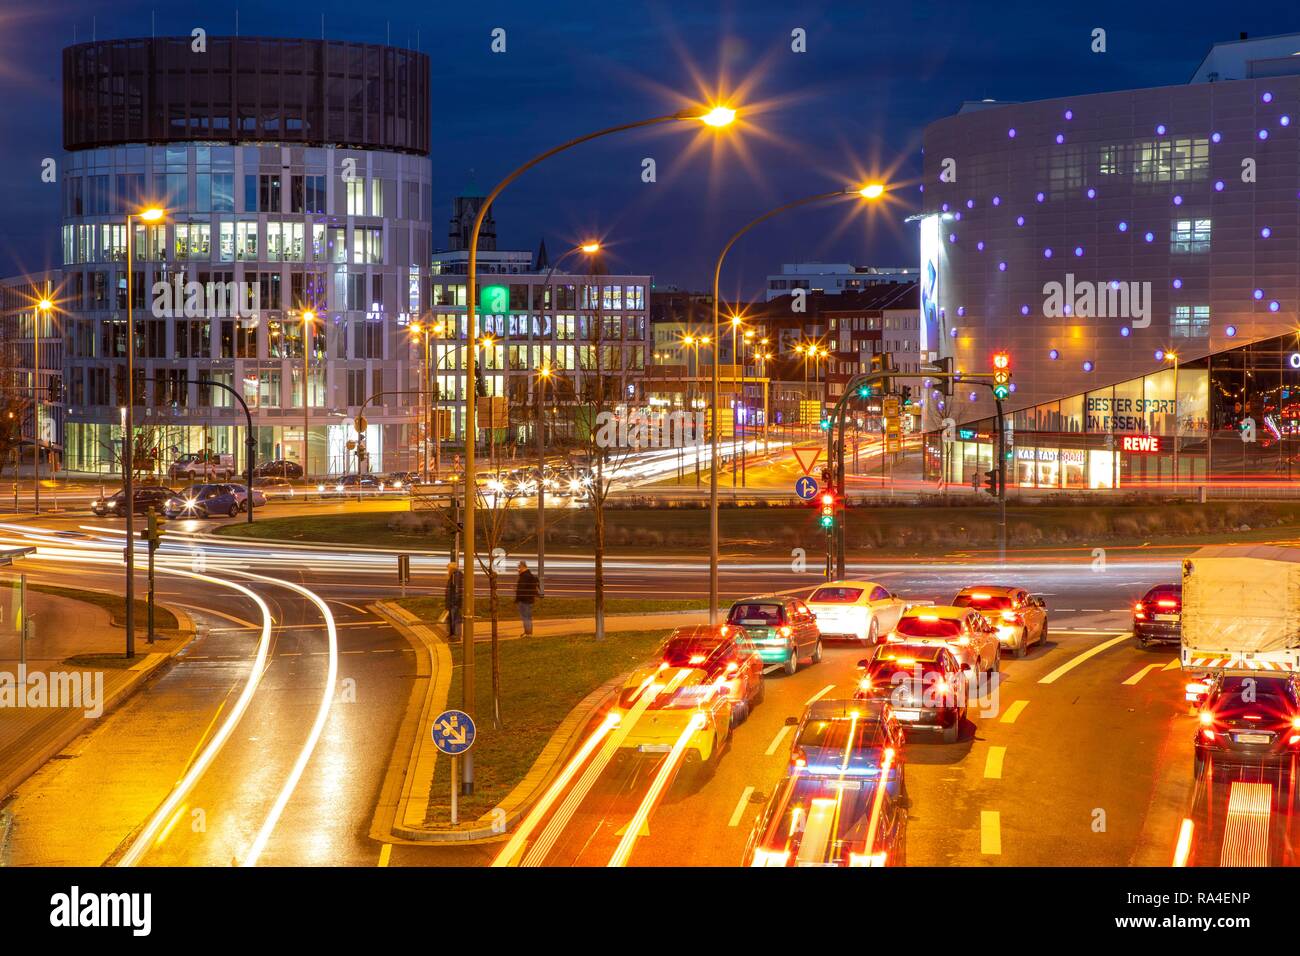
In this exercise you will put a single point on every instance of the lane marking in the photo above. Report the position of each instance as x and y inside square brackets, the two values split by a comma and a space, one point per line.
[1173, 665]
[993, 763]
[385, 854]
[1141, 674]
[990, 832]
[776, 741]
[1014, 711]
[1076, 661]
[819, 695]
[741, 804]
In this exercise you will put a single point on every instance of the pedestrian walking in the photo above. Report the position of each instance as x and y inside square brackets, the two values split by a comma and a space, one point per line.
[453, 598]
[526, 596]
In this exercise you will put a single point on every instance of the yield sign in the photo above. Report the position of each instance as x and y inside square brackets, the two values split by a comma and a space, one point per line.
[807, 457]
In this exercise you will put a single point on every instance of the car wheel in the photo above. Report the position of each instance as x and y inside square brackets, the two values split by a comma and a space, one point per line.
[234, 510]
[1042, 634]
[792, 663]
[873, 633]
[997, 661]
[817, 652]
[1020, 650]
[1142, 641]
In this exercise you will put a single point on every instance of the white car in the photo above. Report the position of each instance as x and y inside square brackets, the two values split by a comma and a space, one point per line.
[971, 638]
[856, 610]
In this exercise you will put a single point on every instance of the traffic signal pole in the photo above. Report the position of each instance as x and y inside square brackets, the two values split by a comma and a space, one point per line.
[1002, 483]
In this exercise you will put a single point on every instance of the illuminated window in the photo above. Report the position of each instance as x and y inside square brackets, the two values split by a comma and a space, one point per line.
[1190, 321]
[1190, 235]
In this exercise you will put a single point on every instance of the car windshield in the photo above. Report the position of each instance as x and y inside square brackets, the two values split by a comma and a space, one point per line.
[1265, 693]
[929, 626]
[835, 595]
[887, 669]
[835, 734]
[1170, 594]
[984, 602]
[755, 614]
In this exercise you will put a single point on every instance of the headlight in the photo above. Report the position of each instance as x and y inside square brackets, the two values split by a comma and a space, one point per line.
[190, 502]
[320, 487]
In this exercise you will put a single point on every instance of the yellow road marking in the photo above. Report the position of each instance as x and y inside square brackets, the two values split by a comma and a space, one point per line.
[385, 853]
[776, 741]
[1076, 661]
[991, 832]
[738, 814]
[1013, 711]
[1173, 665]
[1141, 674]
[993, 763]
[819, 695]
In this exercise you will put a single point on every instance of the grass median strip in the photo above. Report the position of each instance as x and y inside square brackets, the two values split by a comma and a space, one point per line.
[542, 679]
[115, 605]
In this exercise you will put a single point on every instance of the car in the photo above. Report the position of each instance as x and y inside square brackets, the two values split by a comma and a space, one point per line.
[924, 683]
[963, 630]
[350, 484]
[279, 468]
[202, 464]
[848, 738]
[856, 610]
[204, 501]
[1248, 719]
[1158, 616]
[830, 821]
[1019, 618]
[660, 704]
[145, 497]
[241, 495]
[398, 480]
[781, 630]
[721, 659]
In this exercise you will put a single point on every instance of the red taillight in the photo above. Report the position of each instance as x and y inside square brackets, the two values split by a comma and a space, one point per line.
[800, 758]
[1206, 718]
[723, 630]
[1166, 602]
[1252, 717]
[1139, 612]
[1011, 616]
[1207, 733]
[787, 631]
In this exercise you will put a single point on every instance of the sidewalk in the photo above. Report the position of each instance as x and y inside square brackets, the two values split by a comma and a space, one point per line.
[46, 703]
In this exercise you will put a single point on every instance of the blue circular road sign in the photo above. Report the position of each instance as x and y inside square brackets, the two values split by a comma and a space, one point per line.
[453, 732]
[806, 488]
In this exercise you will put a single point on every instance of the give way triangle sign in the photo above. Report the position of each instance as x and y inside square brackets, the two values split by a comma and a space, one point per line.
[807, 457]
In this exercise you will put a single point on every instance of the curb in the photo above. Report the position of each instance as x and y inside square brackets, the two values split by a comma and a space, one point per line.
[144, 670]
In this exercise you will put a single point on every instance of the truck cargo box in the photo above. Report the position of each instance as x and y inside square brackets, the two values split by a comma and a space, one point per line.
[1241, 608]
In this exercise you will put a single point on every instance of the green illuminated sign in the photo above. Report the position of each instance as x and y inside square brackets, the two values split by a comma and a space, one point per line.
[495, 299]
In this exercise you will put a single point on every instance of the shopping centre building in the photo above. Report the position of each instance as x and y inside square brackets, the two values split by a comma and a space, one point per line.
[1137, 254]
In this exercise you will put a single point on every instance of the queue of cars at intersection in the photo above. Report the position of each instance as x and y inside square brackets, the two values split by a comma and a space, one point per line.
[842, 800]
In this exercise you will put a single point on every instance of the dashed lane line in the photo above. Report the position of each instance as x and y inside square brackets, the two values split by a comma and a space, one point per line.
[741, 804]
[1141, 674]
[1014, 711]
[990, 833]
[776, 741]
[385, 854]
[819, 695]
[993, 763]
[1074, 662]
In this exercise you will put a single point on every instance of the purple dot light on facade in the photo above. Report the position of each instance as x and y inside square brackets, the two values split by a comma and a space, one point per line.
[1020, 220]
[1013, 386]
[1265, 232]
[1274, 306]
[1259, 294]
[1114, 283]
[1092, 193]
[980, 245]
[1053, 355]
[970, 204]
[1267, 97]
[1124, 331]
[1215, 137]
[1011, 133]
[1178, 200]
[1263, 134]
[1284, 120]
[1160, 355]
[1218, 185]
[1040, 197]
[1047, 253]
[973, 396]
[1150, 237]
[1002, 267]
[1160, 130]
[957, 216]
[1060, 138]
[1069, 114]
[1087, 365]
[1231, 331]
[1078, 250]
[1123, 226]
[961, 310]
[952, 333]
[1024, 310]
[952, 237]
[997, 200]
[1178, 283]
[945, 207]
[1067, 309]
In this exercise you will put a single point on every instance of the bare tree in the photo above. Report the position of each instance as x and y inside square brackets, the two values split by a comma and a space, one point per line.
[15, 395]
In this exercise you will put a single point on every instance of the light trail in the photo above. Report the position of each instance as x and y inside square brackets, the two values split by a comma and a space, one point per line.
[1183, 850]
[1245, 829]
[667, 771]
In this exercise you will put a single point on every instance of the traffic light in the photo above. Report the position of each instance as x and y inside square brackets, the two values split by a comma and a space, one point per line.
[991, 482]
[1001, 375]
[944, 384]
[826, 424]
[907, 395]
[155, 527]
[828, 510]
[828, 475]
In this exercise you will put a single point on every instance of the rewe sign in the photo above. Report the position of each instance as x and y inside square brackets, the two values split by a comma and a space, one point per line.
[1143, 444]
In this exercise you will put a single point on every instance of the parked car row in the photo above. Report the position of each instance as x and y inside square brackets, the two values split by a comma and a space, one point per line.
[195, 501]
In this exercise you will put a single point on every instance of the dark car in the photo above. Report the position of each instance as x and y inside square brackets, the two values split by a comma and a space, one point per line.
[1158, 617]
[1248, 720]
[780, 629]
[145, 497]
[830, 821]
[205, 501]
[848, 738]
[923, 683]
[280, 468]
[402, 479]
[722, 659]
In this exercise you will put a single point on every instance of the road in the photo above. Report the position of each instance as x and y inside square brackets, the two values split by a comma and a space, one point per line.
[1081, 756]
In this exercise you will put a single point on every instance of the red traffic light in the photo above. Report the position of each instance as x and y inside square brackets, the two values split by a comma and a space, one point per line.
[828, 499]
[1001, 360]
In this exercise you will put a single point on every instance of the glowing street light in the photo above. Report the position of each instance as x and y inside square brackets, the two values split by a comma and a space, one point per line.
[718, 117]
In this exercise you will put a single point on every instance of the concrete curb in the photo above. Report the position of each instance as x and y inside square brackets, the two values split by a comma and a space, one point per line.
[146, 669]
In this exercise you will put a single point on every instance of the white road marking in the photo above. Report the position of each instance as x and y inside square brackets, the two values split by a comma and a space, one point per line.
[776, 741]
[741, 804]
[1076, 661]
[819, 695]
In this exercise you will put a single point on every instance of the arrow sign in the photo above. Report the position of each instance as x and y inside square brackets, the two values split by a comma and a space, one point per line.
[453, 732]
[806, 488]
[807, 457]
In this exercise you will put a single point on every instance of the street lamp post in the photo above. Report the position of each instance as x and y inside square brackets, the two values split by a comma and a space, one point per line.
[872, 191]
[718, 117]
[150, 215]
[308, 317]
[40, 315]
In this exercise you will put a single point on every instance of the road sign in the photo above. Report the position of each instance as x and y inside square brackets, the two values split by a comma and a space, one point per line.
[807, 457]
[891, 406]
[806, 488]
[453, 732]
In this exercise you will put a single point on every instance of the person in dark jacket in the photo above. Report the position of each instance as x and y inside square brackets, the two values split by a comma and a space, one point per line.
[526, 596]
[453, 598]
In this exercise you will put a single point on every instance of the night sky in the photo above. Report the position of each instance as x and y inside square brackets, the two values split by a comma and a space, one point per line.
[853, 105]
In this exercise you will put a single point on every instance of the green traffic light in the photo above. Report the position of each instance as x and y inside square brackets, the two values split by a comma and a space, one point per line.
[826, 424]
[1001, 391]
[827, 521]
